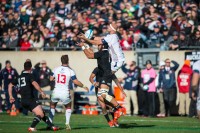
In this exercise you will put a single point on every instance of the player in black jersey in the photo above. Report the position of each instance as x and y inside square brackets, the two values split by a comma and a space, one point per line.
[27, 84]
[97, 74]
[104, 66]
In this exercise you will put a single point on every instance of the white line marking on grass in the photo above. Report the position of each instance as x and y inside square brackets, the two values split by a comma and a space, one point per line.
[164, 121]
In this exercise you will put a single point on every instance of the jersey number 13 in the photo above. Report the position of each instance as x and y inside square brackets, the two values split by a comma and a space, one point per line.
[61, 78]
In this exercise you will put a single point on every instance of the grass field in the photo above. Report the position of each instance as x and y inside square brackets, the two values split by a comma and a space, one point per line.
[97, 124]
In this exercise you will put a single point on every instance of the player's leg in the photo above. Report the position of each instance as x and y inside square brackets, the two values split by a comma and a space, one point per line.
[115, 66]
[54, 100]
[104, 111]
[52, 110]
[68, 113]
[104, 93]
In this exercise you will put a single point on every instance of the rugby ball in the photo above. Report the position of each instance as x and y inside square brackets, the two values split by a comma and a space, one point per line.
[89, 34]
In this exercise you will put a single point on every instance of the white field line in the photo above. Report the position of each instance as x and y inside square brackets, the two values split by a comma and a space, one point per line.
[124, 120]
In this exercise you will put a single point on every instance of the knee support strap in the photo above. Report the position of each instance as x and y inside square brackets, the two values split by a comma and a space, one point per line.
[105, 92]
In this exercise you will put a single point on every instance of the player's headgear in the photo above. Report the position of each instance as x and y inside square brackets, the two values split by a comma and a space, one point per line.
[65, 59]
[27, 65]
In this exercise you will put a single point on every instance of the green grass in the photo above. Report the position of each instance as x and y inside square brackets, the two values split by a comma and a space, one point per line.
[97, 124]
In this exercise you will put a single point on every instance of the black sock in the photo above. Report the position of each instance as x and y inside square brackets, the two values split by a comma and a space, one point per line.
[107, 117]
[47, 121]
[36, 120]
[112, 114]
[116, 108]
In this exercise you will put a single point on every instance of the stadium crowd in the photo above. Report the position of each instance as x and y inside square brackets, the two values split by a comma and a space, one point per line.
[55, 24]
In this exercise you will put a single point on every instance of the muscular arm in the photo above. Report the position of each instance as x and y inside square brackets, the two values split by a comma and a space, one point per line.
[89, 53]
[78, 83]
[92, 75]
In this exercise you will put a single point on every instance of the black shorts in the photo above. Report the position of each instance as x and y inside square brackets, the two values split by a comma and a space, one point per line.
[107, 80]
[29, 104]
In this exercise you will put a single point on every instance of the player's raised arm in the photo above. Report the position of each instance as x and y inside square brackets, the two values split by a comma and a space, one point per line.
[96, 41]
[88, 52]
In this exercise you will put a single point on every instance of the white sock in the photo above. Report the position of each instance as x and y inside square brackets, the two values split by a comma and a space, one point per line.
[68, 115]
[51, 114]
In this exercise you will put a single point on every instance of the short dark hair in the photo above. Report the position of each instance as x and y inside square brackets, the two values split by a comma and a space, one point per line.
[64, 59]
[27, 66]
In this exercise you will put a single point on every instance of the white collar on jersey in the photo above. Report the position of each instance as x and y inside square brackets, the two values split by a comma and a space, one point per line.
[104, 49]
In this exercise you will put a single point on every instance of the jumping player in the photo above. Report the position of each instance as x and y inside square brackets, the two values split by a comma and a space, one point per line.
[62, 76]
[104, 66]
[26, 84]
[112, 40]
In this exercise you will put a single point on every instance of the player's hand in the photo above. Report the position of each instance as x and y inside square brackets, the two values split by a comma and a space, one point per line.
[96, 84]
[161, 90]
[82, 36]
[43, 94]
[86, 88]
[12, 100]
[81, 44]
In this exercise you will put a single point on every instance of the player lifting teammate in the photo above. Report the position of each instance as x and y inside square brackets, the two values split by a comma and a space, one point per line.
[27, 84]
[62, 76]
[96, 73]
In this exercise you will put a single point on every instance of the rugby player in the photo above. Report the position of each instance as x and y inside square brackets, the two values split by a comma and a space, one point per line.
[196, 85]
[27, 84]
[103, 61]
[112, 40]
[62, 76]
[97, 74]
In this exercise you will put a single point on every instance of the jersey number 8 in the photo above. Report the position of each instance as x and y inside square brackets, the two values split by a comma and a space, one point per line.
[61, 78]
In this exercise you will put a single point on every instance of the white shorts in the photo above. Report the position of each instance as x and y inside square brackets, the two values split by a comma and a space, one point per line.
[61, 96]
[115, 66]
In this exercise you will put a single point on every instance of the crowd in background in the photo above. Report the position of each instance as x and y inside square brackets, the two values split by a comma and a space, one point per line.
[55, 24]
[154, 93]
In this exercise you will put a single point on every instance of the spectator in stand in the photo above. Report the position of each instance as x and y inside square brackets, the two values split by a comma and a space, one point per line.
[63, 43]
[160, 92]
[196, 39]
[138, 41]
[156, 38]
[174, 45]
[25, 44]
[131, 86]
[7, 75]
[5, 40]
[167, 38]
[167, 84]
[148, 76]
[184, 80]
[52, 43]
[184, 41]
